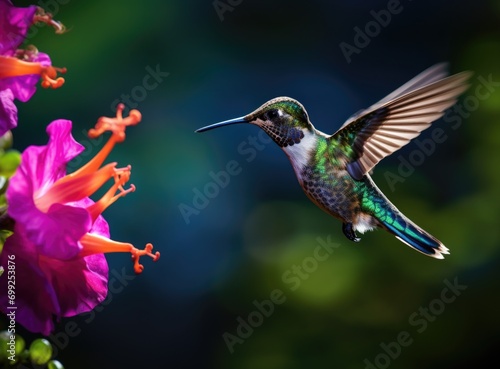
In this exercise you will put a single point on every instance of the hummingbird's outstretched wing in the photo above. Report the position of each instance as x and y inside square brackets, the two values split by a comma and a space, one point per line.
[391, 123]
[428, 76]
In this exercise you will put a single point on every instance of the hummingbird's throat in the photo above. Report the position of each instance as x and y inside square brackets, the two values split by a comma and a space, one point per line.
[284, 136]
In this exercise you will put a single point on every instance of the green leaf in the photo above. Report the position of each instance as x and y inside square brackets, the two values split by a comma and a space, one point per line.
[6, 141]
[5, 345]
[54, 364]
[4, 234]
[40, 351]
[3, 184]
[9, 163]
[3, 203]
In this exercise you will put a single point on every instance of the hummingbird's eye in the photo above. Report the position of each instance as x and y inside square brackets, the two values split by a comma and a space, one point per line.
[274, 113]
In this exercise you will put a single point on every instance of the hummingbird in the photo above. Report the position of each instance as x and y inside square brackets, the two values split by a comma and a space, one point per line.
[334, 170]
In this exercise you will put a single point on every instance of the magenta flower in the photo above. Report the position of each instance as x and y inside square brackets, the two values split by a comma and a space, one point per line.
[20, 70]
[59, 235]
[48, 286]
[14, 25]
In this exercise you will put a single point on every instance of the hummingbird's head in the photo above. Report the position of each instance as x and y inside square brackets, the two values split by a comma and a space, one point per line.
[284, 119]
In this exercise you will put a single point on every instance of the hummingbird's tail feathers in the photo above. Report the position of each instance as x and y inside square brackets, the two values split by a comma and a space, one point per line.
[414, 236]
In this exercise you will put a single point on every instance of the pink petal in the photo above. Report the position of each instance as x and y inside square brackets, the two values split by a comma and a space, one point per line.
[8, 111]
[14, 24]
[80, 284]
[24, 87]
[61, 149]
[48, 288]
[36, 300]
[56, 233]
[100, 226]
[41, 166]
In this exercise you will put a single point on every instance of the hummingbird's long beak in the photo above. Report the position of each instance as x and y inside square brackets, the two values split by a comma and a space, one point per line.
[225, 123]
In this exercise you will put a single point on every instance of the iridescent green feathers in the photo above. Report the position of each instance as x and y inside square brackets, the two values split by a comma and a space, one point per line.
[284, 109]
[283, 119]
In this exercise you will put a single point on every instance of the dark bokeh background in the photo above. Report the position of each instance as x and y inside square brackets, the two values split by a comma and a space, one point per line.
[249, 235]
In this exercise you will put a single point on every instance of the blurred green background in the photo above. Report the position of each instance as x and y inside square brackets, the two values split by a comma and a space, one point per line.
[246, 240]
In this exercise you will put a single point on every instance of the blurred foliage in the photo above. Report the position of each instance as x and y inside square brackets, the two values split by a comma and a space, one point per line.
[243, 243]
[15, 354]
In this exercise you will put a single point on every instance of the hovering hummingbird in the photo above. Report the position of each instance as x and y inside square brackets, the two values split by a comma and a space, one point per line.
[333, 170]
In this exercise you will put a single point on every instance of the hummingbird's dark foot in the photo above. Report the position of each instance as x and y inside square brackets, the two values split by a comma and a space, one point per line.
[349, 232]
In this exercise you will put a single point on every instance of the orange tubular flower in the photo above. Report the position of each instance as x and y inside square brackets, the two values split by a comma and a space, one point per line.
[56, 200]
[21, 69]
